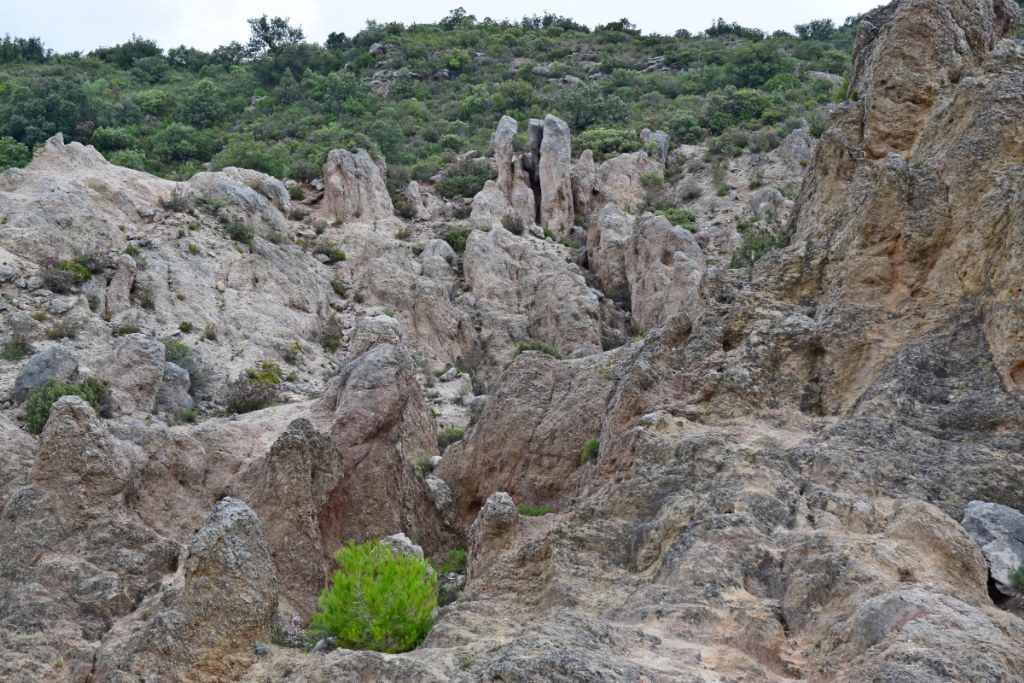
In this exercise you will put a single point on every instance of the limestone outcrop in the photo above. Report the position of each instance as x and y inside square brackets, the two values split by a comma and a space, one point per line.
[354, 187]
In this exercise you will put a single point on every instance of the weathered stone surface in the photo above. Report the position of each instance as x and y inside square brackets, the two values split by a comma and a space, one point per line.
[354, 187]
[119, 290]
[607, 242]
[999, 532]
[524, 290]
[530, 435]
[202, 626]
[584, 183]
[173, 395]
[664, 267]
[55, 362]
[379, 424]
[619, 180]
[268, 186]
[553, 173]
[245, 199]
[134, 369]
[659, 140]
[906, 52]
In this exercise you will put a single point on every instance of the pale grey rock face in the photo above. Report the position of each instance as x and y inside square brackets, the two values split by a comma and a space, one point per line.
[584, 183]
[655, 266]
[490, 206]
[118, 292]
[607, 242]
[268, 186]
[134, 370]
[524, 290]
[659, 139]
[55, 362]
[554, 168]
[173, 395]
[619, 180]
[244, 202]
[999, 532]
[355, 188]
[664, 266]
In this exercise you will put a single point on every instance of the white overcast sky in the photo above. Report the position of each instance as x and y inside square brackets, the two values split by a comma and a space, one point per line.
[86, 24]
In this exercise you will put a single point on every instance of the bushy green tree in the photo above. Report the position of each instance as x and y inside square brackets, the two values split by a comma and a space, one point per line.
[202, 104]
[41, 399]
[378, 599]
[13, 153]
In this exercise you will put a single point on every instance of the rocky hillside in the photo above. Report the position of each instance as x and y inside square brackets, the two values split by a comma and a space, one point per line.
[755, 419]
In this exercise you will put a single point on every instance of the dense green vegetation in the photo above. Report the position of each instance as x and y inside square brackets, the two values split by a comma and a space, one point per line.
[379, 599]
[279, 103]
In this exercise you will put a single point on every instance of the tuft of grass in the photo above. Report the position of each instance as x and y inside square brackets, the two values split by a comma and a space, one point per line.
[457, 238]
[332, 251]
[448, 436]
[590, 449]
[538, 346]
[240, 232]
[423, 465]
[454, 564]
[535, 510]
[16, 347]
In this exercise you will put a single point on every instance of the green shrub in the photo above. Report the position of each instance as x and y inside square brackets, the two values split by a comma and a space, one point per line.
[339, 287]
[1017, 578]
[13, 153]
[296, 194]
[448, 436]
[16, 347]
[455, 563]
[240, 232]
[378, 600]
[535, 510]
[464, 179]
[756, 243]
[607, 142]
[457, 238]
[267, 372]
[41, 399]
[538, 346]
[245, 395]
[513, 223]
[332, 251]
[680, 217]
[331, 334]
[181, 355]
[423, 465]
[590, 449]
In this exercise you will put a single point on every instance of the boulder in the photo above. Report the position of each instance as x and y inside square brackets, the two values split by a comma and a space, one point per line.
[490, 206]
[267, 185]
[173, 397]
[379, 423]
[119, 290]
[619, 180]
[354, 187]
[243, 203]
[134, 370]
[55, 362]
[607, 242]
[493, 530]
[999, 532]
[657, 139]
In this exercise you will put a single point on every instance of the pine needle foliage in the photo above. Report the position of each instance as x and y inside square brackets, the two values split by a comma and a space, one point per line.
[378, 600]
